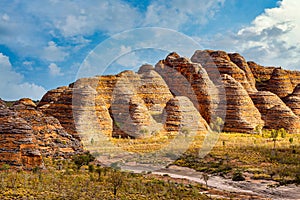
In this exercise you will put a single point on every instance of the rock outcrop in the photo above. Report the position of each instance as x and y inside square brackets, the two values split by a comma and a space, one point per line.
[17, 142]
[217, 83]
[58, 103]
[280, 83]
[237, 68]
[260, 73]
[275, 113]
[51, 137]
[178, 95]
[293, 100]
[276, 80]
[242, 64]
[189, 79]
[113, 101]
[183, 117]
[241, 113]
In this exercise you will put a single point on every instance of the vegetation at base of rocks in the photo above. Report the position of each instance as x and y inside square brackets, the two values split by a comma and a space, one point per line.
[83, 159]
[100, 183]
[253, 155]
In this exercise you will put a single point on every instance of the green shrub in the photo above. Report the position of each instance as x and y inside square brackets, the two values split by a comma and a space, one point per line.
[91, 168]
[238, 176]
[82, 159]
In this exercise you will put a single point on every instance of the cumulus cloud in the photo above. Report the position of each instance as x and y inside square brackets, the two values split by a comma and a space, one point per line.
[68, 24]
[54, 53]
[12, 86]
[54, 70]
[271, 39]
[86, 17]
[67, 20]
[178, 14]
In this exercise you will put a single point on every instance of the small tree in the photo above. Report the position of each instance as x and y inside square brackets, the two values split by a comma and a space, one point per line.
[83, 159]
[291, 140]
[5, 167]
[217, 124]
[282, 132]
[274, 136]
[205, 177]
[91, 168]
[99, 171]
[116, 180]
[258, 129]
[238, 176]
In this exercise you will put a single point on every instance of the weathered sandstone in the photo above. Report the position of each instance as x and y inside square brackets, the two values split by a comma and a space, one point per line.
[241, 114]
[17, 142]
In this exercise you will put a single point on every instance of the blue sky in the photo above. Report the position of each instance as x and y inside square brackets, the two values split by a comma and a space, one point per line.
[44, 42]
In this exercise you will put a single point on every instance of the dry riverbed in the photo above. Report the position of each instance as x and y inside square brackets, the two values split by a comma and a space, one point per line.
[220, 187]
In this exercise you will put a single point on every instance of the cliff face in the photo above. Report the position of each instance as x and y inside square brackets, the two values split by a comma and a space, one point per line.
[293, 100]
[52, 139]
[241, 113]
[218, 84]
[176, 93]
[27, 134]
[17, 142]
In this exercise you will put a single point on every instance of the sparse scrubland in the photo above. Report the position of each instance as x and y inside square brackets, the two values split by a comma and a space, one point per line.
[235, 156]
[256, 156]
[63, 180]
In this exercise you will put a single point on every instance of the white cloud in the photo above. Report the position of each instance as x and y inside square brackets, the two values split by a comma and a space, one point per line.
[28, 65]
[54, 53]
[67, 20]
[272, 38]
[125, 49]
[178, 14]
[12, 86]
[5, 17]
[54, 70]
[131, 60]
[86, 17]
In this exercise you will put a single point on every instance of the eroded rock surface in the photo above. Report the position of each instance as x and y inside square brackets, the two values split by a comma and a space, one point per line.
[275, 113]
[52, 139]
[178, 95]
[293, 100]
[236, 68]
[189, 79]
[241, 113]
[17, 142]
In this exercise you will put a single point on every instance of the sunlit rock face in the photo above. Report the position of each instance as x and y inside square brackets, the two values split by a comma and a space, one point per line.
[241, 113]
[293, 100]
[18, 146]
[275, 113]
[177, 95]
[52, 139]
[189, 79]
[216, 82]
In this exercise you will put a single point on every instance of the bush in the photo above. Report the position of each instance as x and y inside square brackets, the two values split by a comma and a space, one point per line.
[238, 176]
[91, 168]
[82, 159]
